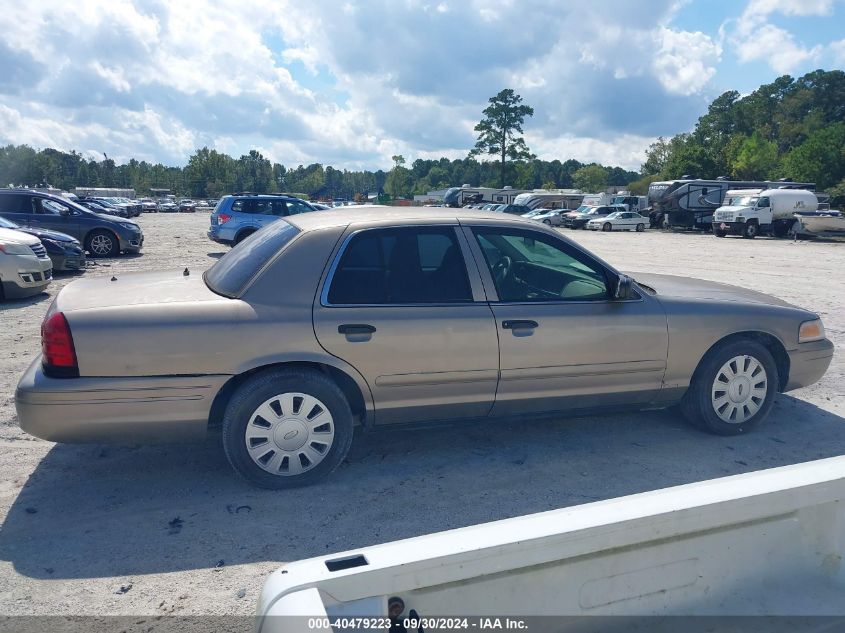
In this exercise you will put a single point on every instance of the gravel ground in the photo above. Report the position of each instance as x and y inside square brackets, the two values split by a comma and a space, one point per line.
[94, 530]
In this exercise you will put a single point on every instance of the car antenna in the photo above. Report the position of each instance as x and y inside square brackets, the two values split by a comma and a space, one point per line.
[186, 272]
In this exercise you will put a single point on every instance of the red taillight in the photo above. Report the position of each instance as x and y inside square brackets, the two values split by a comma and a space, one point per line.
[57, 348]
[223, 218]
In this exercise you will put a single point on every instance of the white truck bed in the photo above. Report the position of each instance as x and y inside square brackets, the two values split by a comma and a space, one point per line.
[763, 543]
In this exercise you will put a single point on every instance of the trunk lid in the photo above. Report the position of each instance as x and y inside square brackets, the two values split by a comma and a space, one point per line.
[134, 289]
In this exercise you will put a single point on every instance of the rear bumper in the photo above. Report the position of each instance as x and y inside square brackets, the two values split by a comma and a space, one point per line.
[808, 363]
[124, 409]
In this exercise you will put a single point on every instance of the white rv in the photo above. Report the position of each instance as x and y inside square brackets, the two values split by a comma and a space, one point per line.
[544, 199]
[762, 211]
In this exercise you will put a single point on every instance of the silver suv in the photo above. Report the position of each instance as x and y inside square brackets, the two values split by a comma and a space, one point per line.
[25, 268]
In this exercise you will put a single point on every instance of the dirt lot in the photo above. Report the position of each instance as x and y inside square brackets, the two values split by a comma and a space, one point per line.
[158, 530]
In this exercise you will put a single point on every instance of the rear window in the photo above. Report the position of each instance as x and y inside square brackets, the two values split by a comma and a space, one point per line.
[232, 272]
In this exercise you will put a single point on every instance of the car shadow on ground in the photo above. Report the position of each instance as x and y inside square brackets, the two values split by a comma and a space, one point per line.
[14, 304]
[99, 511]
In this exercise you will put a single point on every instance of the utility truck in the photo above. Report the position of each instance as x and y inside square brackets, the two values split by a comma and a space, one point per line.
[754, 212]
[764, 543]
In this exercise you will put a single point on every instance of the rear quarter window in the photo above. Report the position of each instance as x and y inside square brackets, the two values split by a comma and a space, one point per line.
[232, 272]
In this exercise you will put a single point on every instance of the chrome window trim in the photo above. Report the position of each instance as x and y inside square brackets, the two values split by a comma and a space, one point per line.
[327, 282]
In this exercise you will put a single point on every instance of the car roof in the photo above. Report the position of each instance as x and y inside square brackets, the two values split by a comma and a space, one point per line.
[377, 215]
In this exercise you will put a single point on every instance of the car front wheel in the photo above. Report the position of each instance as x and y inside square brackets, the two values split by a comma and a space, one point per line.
[607, 227]
[285, 428]
[733, 388]
[102, 244]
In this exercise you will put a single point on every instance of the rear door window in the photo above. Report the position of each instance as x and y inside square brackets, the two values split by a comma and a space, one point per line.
[419, 265]
[15, 203]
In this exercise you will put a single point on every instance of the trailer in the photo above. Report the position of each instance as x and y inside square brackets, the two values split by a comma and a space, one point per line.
[464, 195]
[762, 543]
[564, 199]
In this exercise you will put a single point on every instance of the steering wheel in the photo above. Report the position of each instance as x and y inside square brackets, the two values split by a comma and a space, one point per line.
[502, 269]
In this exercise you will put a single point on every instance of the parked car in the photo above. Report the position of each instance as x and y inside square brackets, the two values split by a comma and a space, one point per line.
[100, 206]
[513, 209]
[319, 206]
[187, 206]
[619, 221]
[65, 252]
[167, 206]
[550, 217]
[101, 235]
[148, 205]
[578, 220]
[25, 268]
[415, 316]
[238, 216]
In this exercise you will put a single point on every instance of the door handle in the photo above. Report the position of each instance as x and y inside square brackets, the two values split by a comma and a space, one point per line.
[355, 328]
[519, 324]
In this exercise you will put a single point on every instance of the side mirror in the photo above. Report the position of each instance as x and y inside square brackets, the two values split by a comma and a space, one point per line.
[64, 211]
[621, 287]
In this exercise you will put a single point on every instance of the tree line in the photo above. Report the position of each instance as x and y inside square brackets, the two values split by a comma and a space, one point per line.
[210, 174]
[790, 128]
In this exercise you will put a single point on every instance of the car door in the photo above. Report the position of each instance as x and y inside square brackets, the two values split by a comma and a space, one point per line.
[564, 342]
[401, 306]
[54, 216]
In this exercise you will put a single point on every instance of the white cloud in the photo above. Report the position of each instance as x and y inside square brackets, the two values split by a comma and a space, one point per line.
[790, 7]
[684, 59]
[777, 47]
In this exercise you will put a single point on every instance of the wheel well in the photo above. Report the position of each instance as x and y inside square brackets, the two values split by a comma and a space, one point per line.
[771, 343]
[244, 233]
[346, 384]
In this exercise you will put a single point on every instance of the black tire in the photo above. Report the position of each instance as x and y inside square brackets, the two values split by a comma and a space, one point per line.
[697, 404]
[242, 236]
[547, 222]
[780, 229]
[640, 228]
[258, 390]
[750, 231]
[607, 227]
[719, 233]
[105, 242]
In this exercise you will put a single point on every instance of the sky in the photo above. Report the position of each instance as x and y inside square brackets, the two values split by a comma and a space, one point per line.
[350, 83]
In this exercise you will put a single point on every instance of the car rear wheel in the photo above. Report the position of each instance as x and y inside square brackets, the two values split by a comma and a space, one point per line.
[102, 244]
[547, 222]
[607, 227]
[640, 228]
[733, 388]
[287, 428]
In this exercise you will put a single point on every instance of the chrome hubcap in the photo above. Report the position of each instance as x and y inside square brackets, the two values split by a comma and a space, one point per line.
[101, 244]
[289, 434]
[739, 389]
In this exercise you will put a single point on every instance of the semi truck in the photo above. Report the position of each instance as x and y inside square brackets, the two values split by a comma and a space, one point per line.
[765, 543]
[756, 212]
[690, 203]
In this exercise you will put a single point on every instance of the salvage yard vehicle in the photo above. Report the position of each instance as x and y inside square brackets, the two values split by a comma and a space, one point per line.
[549, 217]
[65, 252]
[101, 235]
[578, 219]
[187, 206]
[323, 320]
[25, 268]
[766, 543]
[762, 212]
[619, 221]
[238, 216]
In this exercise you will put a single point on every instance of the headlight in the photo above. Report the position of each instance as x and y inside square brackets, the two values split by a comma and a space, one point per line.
[811, 331]
[13, 248]
[127, 225]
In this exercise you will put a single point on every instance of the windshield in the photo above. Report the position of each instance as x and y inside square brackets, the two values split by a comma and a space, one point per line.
[584, 208]
[232, 272]
[743, 201]
[7, 224]
[613, 215]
